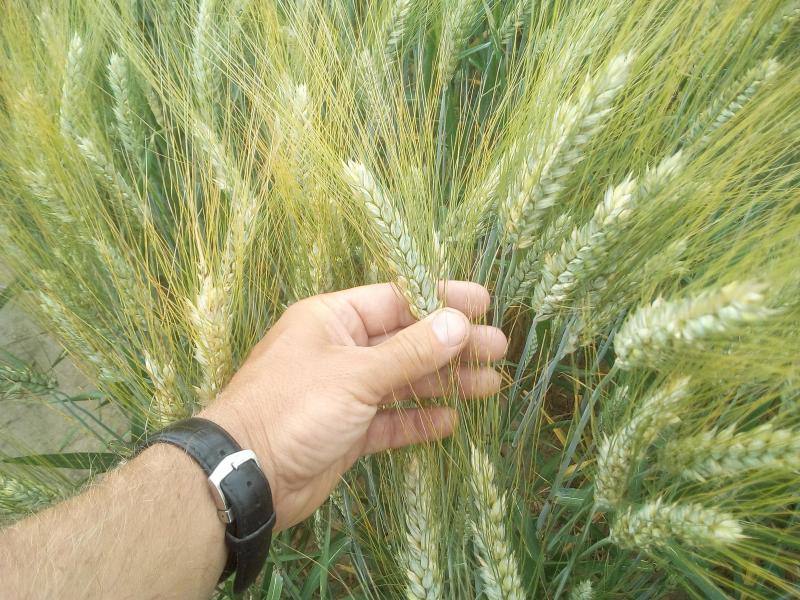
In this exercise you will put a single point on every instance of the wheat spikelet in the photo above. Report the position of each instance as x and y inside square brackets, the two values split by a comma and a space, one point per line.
[166, 402]
[544, 172]
[74, 83]
[729, 454]
[413, 277]
[421, 558]
[210, 318]
[119, 79]
[654, 330]
[20, 498]
[397, 27]
[656, 525]
[582, 591]
[618, 453]
[728, 103]
[498, 565]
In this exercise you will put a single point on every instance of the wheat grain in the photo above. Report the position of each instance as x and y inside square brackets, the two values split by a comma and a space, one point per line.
[654, 330]
[618, 454]
[498, 565]
[656, 525]
[543, 173]
[74, 82]
[728, 103]
[729, 454]
[414, 278]
[421, 559]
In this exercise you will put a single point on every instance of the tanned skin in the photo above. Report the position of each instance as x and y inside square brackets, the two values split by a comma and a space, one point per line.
[308, 401]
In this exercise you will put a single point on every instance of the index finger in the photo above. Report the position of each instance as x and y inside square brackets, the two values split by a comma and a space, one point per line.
[381, 308]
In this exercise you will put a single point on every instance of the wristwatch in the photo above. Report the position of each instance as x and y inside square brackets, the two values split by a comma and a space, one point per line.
[240, 490]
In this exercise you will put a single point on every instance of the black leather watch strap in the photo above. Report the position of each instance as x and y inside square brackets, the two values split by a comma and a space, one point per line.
[246, 493]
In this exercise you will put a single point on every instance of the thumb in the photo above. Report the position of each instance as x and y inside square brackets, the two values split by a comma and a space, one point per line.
[418, 350]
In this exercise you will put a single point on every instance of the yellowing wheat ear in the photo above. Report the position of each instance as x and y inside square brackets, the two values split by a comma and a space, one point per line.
[421, 559]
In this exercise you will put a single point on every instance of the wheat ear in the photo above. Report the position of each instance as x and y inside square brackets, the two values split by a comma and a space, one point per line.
[128, 124]
[421, 559]
[730, 101]
[203, 48]
[544, 172]
[729, 454]
[657, 525]
[21, 498]
[514, 20]
[414, 278]
[654, 330]
[397, 26]
[209, 315]
[498, 565]
[167, 406]
[456, 26]
[618, 454]
[106, 172]
[74, 82]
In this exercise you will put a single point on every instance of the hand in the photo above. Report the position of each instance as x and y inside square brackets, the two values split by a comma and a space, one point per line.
[308, 399]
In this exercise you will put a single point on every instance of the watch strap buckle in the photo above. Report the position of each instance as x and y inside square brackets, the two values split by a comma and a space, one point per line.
[226, 466]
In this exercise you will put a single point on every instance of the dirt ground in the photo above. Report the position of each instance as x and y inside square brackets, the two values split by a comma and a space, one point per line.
[35, 425]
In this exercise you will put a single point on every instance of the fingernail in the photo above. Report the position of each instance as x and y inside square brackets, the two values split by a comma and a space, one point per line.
[450, 327]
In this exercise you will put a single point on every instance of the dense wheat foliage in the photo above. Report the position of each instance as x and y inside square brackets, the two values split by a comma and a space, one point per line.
[621, 174]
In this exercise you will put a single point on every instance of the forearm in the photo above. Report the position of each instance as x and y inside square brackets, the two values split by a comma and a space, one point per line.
[148, 531]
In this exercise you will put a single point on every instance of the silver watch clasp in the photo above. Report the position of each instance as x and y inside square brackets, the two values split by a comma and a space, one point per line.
[226, 466]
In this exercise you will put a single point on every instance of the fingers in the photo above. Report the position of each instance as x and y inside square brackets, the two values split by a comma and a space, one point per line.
[464, 381]
[414, 352]
[380, 308]
[397, 428]
[485, 343]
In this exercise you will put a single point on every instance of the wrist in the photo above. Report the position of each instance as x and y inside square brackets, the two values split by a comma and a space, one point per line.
[241, 428]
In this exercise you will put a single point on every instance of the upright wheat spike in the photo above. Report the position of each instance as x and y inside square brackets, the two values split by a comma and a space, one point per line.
[543, 173]
[414, 278]
[618, 454]
[166, 402]
[128, 124]
[457, 23]
[514, 20]
[657, 329]
[728, 103]
[729, 454]
[422, 536]
[74, 84]
[498, 565]
[657, 525]
[210, 319]
[203, 49]
[43, 189]
[581, 257]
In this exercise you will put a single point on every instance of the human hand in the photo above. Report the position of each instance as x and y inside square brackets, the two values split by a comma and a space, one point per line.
[308, 400]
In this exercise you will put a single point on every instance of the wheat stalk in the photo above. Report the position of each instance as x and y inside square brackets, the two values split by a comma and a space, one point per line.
[414, 278]
[729, 454]
[544, 172]
[618, 453]
[498, 565]
[421, 557]
[654, 330]
[656, 525]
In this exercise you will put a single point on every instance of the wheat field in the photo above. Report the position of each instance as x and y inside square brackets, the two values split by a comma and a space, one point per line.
[622, 175]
